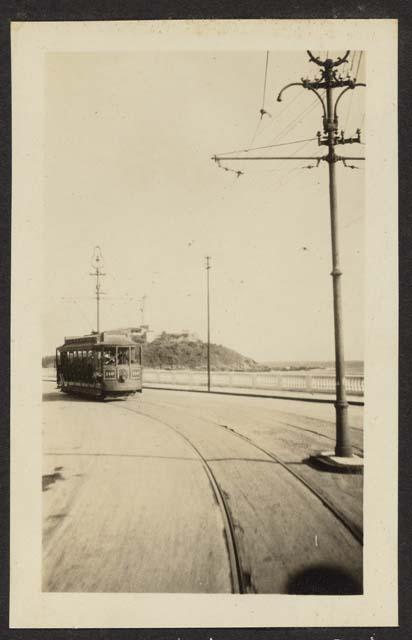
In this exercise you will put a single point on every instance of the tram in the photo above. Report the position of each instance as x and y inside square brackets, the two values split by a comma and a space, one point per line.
[99, 365]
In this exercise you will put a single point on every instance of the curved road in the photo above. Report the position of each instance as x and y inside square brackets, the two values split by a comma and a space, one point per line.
[184, 492]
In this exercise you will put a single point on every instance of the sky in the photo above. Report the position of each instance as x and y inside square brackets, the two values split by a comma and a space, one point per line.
[128, 144]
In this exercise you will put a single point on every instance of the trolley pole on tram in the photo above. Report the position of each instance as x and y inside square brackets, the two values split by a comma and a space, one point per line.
[208, 267]
[97, 264]
[329, 79]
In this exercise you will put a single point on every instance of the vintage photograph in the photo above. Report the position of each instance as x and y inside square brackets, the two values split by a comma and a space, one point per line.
[202, 211]
[202, 423]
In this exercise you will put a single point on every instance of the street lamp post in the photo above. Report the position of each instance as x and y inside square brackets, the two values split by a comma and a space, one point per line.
[329, 79]
[97, 264]
[208, 267]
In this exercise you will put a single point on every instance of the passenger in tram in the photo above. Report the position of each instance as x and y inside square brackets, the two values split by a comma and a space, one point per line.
[123, 355]
[110, 356]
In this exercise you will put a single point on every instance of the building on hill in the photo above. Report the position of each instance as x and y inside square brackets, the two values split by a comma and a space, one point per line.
[182, 336]
[135, 334]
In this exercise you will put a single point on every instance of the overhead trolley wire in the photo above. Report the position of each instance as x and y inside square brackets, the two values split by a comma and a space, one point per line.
[351, 97]
[278, 115]
[359, 61]
[353, 60]
[264, 82]
[288, 127]
[294, 122]
[268, 146]
[262, 109]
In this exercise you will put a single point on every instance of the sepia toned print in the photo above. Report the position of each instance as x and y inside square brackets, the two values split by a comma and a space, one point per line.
[216, 482]
[206, 376]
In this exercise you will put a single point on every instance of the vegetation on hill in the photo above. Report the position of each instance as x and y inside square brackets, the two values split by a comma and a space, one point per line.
[166, 353]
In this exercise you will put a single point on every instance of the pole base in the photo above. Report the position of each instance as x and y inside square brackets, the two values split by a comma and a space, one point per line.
[330, 462]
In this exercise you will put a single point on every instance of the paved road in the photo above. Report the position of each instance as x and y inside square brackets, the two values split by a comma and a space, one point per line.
[184, 492]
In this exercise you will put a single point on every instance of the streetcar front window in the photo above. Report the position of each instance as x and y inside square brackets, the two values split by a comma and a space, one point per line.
[133, 355]
[109, 355]
[122, 355]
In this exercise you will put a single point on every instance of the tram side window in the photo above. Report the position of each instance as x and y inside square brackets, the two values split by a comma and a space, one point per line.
[89, 365]
[109, 355]
[70, 363]
[83, 365]
[75, 365]
[81, 362]
[135, 355]
[122, 355]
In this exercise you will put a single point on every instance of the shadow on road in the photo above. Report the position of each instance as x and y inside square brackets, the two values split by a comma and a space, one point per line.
[51, 478]
[318, 466]
[58, 396]
[324, 580]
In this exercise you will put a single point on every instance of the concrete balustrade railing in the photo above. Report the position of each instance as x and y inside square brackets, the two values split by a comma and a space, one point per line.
[308, 383]
[270, 381]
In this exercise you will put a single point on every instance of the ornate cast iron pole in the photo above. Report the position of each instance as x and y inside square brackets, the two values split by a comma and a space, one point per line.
[329, 80]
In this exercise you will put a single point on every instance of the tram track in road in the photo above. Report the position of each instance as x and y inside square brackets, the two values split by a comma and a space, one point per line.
[304, 429]
[241, 571]
[359, 450]
[239, 578]
[351, 526]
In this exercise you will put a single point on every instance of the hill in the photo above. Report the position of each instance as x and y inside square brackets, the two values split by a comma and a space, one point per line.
[166, 353]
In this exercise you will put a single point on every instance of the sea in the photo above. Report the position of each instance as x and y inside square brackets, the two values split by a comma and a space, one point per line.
[352, 367]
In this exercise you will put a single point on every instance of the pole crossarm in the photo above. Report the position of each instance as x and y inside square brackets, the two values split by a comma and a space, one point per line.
[317, 158]
[329, 79]
[226, 159]
[322, 63]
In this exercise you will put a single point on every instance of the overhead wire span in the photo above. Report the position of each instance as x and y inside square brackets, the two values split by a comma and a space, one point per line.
[264, 85]
[82, 313]
[297, 119]
[351, 95]
[278, 115]
[361, 126]
[359, 61]
[262, 110]
[353, 59]
[267, 146]
[284, 179]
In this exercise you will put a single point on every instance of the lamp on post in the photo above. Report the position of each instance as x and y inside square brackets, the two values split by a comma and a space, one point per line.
[329, 80]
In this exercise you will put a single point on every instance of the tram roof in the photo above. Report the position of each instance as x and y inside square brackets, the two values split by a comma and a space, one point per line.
[104, 338]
